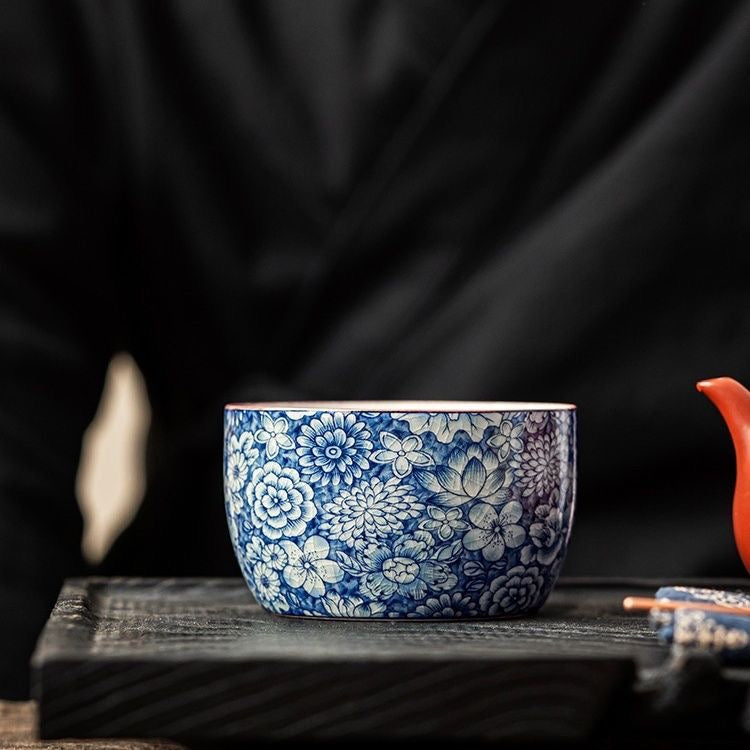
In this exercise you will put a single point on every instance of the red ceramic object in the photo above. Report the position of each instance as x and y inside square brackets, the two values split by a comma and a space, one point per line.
[733, 401]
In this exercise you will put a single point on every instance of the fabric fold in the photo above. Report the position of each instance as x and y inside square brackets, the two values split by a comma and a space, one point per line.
[725, 635]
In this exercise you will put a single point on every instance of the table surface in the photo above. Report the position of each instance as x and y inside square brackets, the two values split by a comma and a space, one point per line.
[198, 659]
[18, 730]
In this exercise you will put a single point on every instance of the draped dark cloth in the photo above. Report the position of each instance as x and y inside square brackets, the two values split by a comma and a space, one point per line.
[350, 199]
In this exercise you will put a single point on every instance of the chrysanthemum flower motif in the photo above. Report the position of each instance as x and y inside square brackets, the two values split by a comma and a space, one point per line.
[268, 587]
[469, 475]
[372, 509]
[256, 550]
[495, 529]
[445, 425]
[237, 470]
[444, 522]
[535, 421]
[240, 455]
[507, 439]
[405, 569]
[334, 448]
[517, 590]
[447, 606]
[403, 455]
[281, 502]
[245, 444]
[308, 568]
[539, 467]
[273, 433]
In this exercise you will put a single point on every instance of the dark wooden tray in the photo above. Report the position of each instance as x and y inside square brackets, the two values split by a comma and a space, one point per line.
[197, 660]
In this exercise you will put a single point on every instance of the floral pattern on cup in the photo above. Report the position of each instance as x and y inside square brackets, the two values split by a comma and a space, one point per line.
[417, 515]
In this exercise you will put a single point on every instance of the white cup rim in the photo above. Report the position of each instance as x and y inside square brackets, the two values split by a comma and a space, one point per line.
[404, 407]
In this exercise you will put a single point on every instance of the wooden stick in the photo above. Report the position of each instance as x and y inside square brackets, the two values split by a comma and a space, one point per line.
[639, 603]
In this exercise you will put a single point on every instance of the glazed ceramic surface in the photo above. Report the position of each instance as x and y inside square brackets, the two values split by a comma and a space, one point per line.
[353, 511]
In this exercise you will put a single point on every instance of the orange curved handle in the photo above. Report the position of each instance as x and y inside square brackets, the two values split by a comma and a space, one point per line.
[733, 401]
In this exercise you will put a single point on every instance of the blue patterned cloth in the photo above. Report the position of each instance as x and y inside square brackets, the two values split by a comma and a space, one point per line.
[727, 636]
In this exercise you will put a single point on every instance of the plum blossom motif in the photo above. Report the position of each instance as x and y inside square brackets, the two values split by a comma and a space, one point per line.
[372, 509]
[273, 433]
[538, 468]
[240, 455]
[403, 455]
[507, 439]
[469, 475]
[405, 569]
[308, 568]
[517, 590]
[447, 606]
[281, 502]
[444, 522]
[495, 529]
[445, 425]
[334, 448]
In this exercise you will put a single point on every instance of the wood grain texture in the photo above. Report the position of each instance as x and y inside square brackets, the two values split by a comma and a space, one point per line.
[198, 660]
[18, 731]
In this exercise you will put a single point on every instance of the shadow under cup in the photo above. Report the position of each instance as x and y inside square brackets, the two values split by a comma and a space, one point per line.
[400, 509]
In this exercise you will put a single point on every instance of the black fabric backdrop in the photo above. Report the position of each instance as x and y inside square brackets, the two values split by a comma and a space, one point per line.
[290, 199]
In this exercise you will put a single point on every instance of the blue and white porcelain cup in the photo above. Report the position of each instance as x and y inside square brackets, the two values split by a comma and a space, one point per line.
[400, 509]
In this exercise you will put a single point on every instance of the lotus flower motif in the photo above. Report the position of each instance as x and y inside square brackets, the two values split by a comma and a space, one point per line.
[469, 475]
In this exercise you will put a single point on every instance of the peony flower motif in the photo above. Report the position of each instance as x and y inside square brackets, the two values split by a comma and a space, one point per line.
[273, 435]
[405, 569]
[507, 439]
[516, 590]
[447, 606]
[334, 448]
[445, 425]
[373, 508]
[495, 529]
[538, 468]
[309, 568]
[444, 522]
[469, 475]
[350, 606]
[403, 455]
[547, 533]
[268, 587]
[281, 502]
